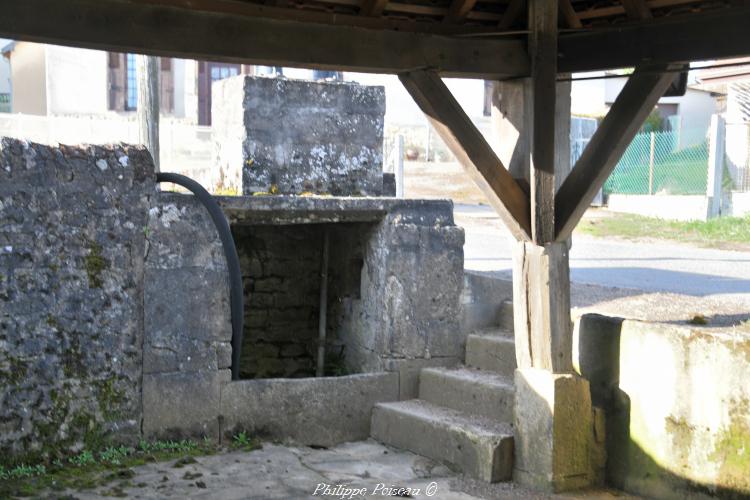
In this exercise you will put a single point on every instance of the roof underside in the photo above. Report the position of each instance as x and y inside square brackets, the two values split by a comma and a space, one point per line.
[455, 16]
[467, 38]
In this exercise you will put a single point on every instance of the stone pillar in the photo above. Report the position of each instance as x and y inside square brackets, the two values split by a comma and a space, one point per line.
[553, 423]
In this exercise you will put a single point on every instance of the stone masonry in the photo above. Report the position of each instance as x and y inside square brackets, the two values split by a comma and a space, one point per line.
[282, 136]
[72, 225]
[186, 351]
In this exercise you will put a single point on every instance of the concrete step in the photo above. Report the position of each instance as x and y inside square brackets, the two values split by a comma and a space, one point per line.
[491, 352]
[477, 446]
[474, 392]
[505, 316]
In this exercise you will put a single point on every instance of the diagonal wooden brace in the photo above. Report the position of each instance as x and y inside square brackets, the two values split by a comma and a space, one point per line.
[636, 100]
[471, 149]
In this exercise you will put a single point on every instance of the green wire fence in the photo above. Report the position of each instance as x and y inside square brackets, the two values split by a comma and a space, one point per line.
[654, 163]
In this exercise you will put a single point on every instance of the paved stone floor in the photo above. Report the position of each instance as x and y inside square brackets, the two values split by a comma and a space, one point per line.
[285, 472]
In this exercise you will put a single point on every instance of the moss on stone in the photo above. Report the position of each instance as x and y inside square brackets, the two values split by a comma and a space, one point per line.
[95, 264]
[732, 450]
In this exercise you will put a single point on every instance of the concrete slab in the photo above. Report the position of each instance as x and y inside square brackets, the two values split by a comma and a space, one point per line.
[479, 447]
[312, 411]
[491, 352]
[295, 473]
[474, 392]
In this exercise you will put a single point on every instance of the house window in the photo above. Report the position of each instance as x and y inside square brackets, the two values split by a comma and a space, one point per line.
[123, 83]
[131, 83]
[209, 72]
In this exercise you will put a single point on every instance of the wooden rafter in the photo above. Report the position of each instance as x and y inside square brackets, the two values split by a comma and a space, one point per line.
[179, 32]
[569, 14]
[470, 148]
[513, 13]
[458, 10]
[636, 9]
[373, 7]
[636, 100]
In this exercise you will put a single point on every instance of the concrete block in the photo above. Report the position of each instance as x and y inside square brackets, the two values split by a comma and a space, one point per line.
[479, 447]
[491, 352]
[474, 392]
[311, 411]
[182, 404]
[553, 422]
[409, 372]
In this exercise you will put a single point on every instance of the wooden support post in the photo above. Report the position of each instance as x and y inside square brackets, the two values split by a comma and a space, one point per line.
[470, 148]
[541, 307]
[148, 105]
[543, 55]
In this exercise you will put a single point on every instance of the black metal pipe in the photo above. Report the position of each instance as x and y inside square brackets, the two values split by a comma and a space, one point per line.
[230, 252]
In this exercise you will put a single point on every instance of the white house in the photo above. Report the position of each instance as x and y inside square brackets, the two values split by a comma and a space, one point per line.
[52, 80]
[5, 87]
[689, 114]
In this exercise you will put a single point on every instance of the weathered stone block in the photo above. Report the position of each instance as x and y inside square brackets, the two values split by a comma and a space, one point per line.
[182, 404]
[291, 136]
[553, 430]
[311, 411]
[71, 294]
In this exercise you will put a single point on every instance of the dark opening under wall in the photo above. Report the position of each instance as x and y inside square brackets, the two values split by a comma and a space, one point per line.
[281, 267]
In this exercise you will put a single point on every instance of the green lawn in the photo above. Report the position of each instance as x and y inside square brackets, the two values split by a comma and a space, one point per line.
[723, 232]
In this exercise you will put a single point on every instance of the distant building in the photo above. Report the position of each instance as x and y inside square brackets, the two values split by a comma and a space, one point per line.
[5, 87]
[689, 114]
[56, 80]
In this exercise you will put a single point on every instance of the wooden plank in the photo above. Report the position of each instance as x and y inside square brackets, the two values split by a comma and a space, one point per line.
[694, 37]
[373, 7]
[543, 55]
[458, 10]
[512, 14]
[636, 9]
[177, 32]
[470, 148]
[569, 14]
[277, 10]
[636, 100]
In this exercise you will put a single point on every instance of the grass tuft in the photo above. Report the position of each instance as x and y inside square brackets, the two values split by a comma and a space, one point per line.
[722, 232]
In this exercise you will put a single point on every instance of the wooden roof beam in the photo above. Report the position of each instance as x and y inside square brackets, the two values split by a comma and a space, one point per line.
[569, 14]
[373, 7]
[636, 100]
[512, 15]
[179, 32]
[452, 124]
[694, 37]
[636, 9]
[458, 10]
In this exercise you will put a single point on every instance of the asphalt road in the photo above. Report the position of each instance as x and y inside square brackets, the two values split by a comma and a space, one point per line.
[648, 266]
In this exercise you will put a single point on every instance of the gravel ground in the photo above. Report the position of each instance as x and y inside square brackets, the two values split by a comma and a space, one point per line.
[650, 281]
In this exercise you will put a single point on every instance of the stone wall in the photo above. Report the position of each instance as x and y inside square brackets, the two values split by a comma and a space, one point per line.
[677, 404]
[186, 349]
[72, 246]
[408, 315]
[286, 136]
[281, 270]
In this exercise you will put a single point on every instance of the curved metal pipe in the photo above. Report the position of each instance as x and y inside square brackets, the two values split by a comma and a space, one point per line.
[230, 252]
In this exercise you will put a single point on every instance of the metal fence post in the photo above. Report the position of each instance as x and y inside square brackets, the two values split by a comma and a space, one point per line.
[399, 166]
[715, 165]
[651, 164]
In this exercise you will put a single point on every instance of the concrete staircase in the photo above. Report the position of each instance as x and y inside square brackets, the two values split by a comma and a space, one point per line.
[463, 415]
